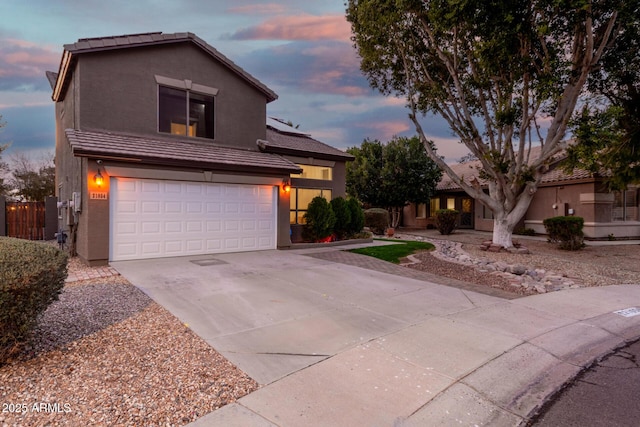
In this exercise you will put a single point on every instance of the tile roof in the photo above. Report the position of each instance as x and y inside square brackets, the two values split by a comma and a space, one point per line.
[298, 144]
[174, 152]
[469, 171]
[147, 39]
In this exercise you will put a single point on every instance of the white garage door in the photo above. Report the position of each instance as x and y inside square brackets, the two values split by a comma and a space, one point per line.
[157, 218]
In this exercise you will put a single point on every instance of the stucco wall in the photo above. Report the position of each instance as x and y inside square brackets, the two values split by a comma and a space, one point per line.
[119, 93]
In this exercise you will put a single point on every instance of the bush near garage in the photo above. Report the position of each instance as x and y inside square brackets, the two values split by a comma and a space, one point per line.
[319, 219]
[566, 231]
[446, 220]
[357, 216]
[32, 276]
[342, 213]
[377, 219]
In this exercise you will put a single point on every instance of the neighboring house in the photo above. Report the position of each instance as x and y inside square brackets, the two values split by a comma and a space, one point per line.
[162, 150]
[605, 213]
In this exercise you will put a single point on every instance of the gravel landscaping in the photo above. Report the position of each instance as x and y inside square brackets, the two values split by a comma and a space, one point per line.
[105, 354]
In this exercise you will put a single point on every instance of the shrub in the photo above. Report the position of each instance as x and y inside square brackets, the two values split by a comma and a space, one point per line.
[32, 275]
[566, 230]
[525, 231]
[446, 220]
[377, 219]
[320, 219]
[343, 217]
[357, 216]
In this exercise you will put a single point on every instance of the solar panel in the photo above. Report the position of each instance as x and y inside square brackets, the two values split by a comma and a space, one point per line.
[282, 127]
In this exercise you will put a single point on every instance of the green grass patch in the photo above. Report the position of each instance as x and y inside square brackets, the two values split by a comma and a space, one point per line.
[393, 253]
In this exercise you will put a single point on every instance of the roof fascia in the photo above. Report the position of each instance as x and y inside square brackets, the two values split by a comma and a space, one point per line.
[70, 51]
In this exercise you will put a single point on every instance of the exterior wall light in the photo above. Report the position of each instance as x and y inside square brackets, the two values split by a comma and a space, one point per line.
[286, 185]
[97, 178]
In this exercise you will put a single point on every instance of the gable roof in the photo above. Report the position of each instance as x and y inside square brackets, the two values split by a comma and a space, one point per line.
[469, 171]
[286, 140]
[185, 153]
[98, 44]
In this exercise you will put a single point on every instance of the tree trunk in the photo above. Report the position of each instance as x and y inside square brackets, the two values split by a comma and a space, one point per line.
[505, 221]
[396, 215]
[502, 233]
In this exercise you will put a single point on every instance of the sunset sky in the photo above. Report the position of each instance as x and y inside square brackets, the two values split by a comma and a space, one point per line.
[301, 50]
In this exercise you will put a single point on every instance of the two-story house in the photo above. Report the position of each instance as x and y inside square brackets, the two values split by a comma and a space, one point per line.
[162, 150]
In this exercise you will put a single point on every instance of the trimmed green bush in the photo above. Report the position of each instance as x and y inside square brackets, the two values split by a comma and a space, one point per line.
[377, 219]
[446, 220]
[343, 217]
[525, 231]
[566, 231]
[32, 275]
[357, 216]
[320, 219]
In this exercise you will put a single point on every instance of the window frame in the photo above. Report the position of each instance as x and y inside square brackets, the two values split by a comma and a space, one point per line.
[188, 87]
[299, 212]
[306, 169]
[631, 192]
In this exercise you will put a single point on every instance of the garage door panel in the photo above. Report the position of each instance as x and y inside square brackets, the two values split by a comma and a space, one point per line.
[156, 218]
[232, 244]
[150, 187]
[172, 227]
[151, 227]
[172, 207]
[173, 247]
[152, 249]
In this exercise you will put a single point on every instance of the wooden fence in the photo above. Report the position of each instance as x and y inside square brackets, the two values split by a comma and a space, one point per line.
[25, 220]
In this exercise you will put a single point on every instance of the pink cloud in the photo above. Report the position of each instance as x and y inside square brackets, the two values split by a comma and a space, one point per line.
[385, 131]
[23, 64]
[299, 27]
[258, 9]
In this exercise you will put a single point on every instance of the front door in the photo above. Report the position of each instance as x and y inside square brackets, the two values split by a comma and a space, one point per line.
[466, 212]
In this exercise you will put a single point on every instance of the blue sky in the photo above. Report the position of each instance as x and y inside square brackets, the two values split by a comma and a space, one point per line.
[301, 50]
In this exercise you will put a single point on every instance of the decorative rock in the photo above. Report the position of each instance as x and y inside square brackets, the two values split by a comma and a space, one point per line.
[540, 272]
[501, 266]
[517, 274]
[540, 289]
[518, 269]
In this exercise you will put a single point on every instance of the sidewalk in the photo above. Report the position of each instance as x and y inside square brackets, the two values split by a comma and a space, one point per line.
[493, 364]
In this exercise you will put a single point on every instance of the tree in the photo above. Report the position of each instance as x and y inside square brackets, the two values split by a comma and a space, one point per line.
[33, 180]
[364, 173]
[495, 71]
[392, 175]
[609, 131]
[4, 168]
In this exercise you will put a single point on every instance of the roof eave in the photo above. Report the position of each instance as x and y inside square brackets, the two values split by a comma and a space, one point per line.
[303, 153]
[61, 81]
[71, 50]
[191, 164]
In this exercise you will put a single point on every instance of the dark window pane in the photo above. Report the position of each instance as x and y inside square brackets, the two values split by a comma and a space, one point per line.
[201, 115]
[172, 110]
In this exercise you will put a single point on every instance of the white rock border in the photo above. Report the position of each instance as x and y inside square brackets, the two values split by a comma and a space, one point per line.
[518, 275]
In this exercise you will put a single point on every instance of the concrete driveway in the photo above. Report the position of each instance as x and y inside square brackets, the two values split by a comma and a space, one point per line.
[275, 312]
[380, 348]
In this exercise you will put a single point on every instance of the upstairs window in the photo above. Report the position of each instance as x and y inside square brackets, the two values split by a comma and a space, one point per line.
[185, 112]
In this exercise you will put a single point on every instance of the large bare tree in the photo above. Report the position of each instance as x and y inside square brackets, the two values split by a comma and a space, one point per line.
[505, 75]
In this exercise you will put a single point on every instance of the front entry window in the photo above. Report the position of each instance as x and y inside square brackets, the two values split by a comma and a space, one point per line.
[300, 199]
